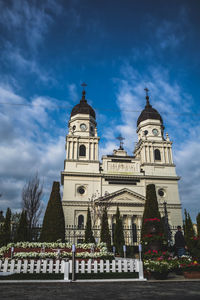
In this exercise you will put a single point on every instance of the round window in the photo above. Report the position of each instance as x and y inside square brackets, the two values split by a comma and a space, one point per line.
[81, 190]
[155, 132]
[83, 127]
[161, 192]
[74, 127]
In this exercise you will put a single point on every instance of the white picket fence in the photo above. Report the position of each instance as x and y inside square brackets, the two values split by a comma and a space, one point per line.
[9, 266]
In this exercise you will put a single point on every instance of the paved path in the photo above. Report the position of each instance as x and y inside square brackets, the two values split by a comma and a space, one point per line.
[101, 290]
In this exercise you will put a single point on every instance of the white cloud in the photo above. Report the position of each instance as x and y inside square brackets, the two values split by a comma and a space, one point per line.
[187, 159]
[176, 108]
[73, 93]
[28, 145]
[28, 20]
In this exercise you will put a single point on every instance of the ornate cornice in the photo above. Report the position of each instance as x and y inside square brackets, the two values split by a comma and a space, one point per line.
[106, 175]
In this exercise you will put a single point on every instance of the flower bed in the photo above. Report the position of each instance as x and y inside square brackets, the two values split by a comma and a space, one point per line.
[156, 269]
[190, 267]
[55, 250]
[154, 254]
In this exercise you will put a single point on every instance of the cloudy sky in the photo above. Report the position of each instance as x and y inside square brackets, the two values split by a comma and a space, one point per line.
[48, 48]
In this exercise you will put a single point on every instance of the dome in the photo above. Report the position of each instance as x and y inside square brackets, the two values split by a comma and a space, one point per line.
[83, 108]
[149, 113]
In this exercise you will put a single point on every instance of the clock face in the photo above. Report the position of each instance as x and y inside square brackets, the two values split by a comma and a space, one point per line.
[83, 127]
[155, 132]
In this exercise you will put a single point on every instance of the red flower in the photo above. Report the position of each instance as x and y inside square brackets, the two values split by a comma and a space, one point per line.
[151, 220]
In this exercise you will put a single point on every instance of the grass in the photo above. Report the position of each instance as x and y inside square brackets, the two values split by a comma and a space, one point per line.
[60, 276]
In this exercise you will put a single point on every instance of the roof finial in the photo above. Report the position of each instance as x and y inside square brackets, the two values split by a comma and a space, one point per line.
[147, 96]
[120, 138]
[83, 91]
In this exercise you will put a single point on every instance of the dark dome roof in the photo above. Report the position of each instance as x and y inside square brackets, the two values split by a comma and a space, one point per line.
[149, 113]
[83, 108]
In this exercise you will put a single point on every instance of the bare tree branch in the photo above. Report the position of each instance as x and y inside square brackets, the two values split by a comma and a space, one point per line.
[31, 200]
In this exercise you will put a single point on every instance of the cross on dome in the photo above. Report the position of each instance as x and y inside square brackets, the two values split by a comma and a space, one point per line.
[120, 138]
[83, 92]
[147, 96]
[83, 85]
[146, 89]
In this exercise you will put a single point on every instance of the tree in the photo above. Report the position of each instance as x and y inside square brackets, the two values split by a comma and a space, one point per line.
[118, 233]
[188, 230]
[89, 238]
[15, 218]
[152, 233]
[198, 224]
[105, 233]
[53, 227]
[22, 229]
[31, 202]
[6, 229]
[151, 210]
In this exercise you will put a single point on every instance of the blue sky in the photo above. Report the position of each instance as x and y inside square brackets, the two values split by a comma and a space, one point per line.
[48, 48]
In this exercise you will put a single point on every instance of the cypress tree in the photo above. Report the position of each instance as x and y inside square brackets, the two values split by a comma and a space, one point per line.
[198, 224]
[22, 234]
[105, 233]
[89, 238]
[118, 233]
[53, 227]
[6, 229]
[151, 210]
[188, 229]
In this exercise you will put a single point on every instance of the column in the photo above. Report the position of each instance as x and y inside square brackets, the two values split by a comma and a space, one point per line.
[145, 158]
[93, 158]
[96, 152]
[167, 154]
[75, 149]
[69, 145]
[73, 144]
[71, 150]
[149, 154]
[89, 151]
[152, 153]
[164, 159]
[139, 222]
[170, 151]
[129, 221]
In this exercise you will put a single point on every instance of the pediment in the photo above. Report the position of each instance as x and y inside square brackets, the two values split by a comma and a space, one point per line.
[122, 196]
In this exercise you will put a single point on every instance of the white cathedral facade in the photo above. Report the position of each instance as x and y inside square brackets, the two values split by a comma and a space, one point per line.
[119, 179]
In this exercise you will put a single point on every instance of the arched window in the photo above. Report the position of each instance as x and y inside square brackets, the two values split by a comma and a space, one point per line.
[82, 150]
[80, 221]
[157, 154]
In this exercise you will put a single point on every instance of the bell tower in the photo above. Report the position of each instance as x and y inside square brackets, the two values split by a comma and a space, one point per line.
[152, 148]
[82, 142]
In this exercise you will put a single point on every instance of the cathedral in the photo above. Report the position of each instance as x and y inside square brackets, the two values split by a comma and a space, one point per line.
[118, 179]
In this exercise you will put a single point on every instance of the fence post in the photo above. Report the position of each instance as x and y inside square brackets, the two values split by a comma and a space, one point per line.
[141, 274]
[66, 270]
[73, 262]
